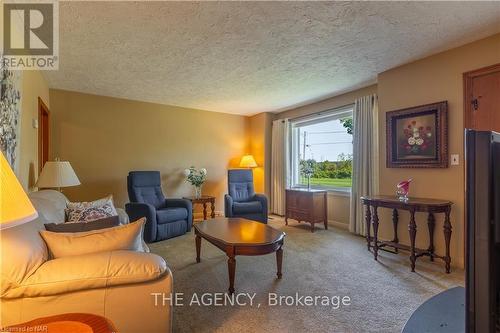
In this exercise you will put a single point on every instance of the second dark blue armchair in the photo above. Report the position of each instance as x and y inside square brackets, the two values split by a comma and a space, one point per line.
[242, 201]
[165, 218]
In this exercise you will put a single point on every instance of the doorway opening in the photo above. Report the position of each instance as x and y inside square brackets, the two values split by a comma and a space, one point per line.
[43, 133]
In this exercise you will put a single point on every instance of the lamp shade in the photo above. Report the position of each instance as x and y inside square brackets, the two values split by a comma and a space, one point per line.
[15, 207]
[248, 161]
[57, 174]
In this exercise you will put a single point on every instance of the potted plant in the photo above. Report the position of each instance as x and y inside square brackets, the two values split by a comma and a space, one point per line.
[196, 178]
[307, 170]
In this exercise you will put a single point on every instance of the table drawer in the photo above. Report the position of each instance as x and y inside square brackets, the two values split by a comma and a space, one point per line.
[298, 215]
[297, 201]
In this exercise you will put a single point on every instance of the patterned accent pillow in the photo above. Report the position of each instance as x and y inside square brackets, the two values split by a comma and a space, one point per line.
[90, 211]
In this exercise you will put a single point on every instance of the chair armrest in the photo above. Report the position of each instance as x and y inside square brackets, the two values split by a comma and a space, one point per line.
[182, 203]
[228, 205]
[137, 210]
[263, 201]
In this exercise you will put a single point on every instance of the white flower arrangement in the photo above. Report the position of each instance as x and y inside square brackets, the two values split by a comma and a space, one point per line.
[196, 177]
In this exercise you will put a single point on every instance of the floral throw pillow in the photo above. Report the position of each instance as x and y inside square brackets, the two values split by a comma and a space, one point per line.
[90, 211]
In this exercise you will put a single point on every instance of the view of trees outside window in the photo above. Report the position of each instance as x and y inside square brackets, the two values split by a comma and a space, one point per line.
[326, 147]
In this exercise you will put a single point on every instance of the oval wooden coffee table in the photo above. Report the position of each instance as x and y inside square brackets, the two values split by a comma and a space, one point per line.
[236, 236]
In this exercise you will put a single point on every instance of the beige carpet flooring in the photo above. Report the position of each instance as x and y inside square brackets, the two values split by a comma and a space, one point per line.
[332, 263]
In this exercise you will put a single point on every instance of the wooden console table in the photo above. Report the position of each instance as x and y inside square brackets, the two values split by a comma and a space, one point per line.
[413, 205]
[204, 199]
[306, 205]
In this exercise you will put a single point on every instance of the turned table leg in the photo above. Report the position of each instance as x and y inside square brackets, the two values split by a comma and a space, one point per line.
[412, 228]
[431, 223]
[375, 232]
[231, 266]
[198, 247]
[279, 261]
[447, 237]
[368, 218]
[212, 207]
[395, 219]
[204, 211]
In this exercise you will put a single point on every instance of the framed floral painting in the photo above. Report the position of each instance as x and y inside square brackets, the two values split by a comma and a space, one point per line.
[417, 137]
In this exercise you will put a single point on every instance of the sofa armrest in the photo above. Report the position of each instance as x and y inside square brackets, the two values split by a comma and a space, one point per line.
[137, 210]
[91, 271]
[228, 205]
[182, 203]
[122, 216]
[263, 201]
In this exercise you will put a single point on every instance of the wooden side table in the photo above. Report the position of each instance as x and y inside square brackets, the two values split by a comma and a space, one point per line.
[65, 323]
[413, 205]
[306, 205]
[204, 200]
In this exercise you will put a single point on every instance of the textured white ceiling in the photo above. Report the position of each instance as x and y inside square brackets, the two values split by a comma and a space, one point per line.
[250, 57]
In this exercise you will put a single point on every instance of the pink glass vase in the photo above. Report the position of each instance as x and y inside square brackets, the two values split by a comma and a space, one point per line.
[403, 189]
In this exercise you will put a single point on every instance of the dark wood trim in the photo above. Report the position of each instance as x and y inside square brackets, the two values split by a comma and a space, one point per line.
[441, 143]
[42, 109]
[467, 79]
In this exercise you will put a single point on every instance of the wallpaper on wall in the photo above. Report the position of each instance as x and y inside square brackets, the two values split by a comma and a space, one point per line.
[10, 114]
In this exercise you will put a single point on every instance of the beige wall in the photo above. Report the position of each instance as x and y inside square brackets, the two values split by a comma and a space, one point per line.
[429, 80]
[338, 204]
[339, 209]
[104, 138]
[260, 147]
[33, 87]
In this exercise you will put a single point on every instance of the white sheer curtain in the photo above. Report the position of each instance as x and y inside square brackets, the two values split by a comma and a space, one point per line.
[365, 158]
[279, 166]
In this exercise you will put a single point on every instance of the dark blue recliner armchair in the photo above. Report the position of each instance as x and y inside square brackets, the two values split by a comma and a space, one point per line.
[165, 218]
[242, 200]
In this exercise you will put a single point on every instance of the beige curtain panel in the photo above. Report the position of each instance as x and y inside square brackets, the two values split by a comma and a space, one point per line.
[279, 166]
[365, 158]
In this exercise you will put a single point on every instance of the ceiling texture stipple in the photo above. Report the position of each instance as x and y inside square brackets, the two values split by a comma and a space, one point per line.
[251, 57]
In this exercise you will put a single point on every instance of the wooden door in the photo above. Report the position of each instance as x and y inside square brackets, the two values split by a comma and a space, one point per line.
[482, 99]
[43, 133]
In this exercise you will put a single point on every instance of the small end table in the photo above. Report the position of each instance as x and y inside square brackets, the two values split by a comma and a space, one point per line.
[204, 200]
[66, 323]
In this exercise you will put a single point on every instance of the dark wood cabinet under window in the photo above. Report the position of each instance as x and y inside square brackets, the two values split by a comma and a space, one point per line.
[306, 206]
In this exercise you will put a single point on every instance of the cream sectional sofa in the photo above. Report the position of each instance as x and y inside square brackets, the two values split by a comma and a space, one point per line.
[118, 285]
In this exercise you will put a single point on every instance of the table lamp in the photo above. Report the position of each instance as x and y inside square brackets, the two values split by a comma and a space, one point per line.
[248, 161]
[15, 207]
[57, 174]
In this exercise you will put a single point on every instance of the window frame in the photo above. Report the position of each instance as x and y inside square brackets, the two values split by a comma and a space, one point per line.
[294, 124]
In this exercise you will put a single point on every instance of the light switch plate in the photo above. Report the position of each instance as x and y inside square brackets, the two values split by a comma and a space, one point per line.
[455, 159]
[34, 123]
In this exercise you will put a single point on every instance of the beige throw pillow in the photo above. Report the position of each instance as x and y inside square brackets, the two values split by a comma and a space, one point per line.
[123, 237]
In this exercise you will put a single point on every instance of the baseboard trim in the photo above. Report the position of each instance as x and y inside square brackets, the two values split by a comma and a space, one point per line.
[339, 224]
[199, 215]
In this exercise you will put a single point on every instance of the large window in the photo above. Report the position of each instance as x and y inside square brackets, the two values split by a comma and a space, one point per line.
[322, 145]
